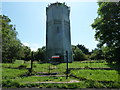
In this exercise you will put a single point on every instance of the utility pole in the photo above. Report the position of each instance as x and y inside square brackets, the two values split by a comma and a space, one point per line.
[67, 65]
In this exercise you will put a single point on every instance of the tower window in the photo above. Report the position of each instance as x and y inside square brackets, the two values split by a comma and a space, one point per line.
[58, 30]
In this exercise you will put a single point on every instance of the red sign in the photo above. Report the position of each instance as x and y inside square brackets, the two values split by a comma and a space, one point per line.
[55, 56]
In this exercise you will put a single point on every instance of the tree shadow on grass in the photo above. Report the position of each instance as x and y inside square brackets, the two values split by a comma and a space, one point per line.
[115, 66]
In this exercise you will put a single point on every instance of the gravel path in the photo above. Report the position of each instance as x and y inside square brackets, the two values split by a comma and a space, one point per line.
[71, 81]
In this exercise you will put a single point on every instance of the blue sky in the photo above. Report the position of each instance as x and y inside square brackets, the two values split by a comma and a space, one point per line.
[30, 21]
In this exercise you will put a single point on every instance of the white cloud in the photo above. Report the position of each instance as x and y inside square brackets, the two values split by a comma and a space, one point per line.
[26, 44]
[33, 46]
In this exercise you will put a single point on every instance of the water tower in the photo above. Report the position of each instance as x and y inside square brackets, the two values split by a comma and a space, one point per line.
[58, 38]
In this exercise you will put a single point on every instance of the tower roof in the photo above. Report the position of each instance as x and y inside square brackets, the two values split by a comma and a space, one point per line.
[58, 4]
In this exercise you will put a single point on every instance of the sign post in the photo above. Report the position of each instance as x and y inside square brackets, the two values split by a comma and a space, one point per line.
[49, 66]
[67, 65]
[30, 71]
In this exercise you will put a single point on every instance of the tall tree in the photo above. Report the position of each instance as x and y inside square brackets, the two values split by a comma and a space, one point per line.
[40, 54]
[83, 48]
[26, 53]
[107, 29]
[11, 45]
[97, 54]
[78, 55]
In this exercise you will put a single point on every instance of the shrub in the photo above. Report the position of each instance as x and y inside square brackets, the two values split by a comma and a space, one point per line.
[22, 66]
[34, 66]
[86, 67]
[10, 83]
[79, 55]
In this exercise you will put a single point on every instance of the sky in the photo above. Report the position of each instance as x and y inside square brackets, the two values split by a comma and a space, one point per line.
[30, 21]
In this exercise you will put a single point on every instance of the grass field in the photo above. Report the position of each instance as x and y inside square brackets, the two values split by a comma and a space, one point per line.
[84, 72]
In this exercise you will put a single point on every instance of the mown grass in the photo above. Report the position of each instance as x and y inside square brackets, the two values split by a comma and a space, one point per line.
[99, 75]
[12, 76]
[15, 64]
[90, 64]
[12, 73]
[56, 85]
[37, 79]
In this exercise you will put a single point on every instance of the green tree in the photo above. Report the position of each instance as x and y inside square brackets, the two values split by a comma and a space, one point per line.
[40, 54]
[83, 49]
[26, 53]
[97, 54]
[11, 45]
[78, 55]
[107, 29]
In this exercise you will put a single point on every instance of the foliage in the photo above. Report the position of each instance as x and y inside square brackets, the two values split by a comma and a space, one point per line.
[22, 66]
[26, 53]
[11, 45]
[83, 49]
[10, 83]
[78, 55]
[40, 54]
[107, 29]
[97, 54]
[12, 48]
